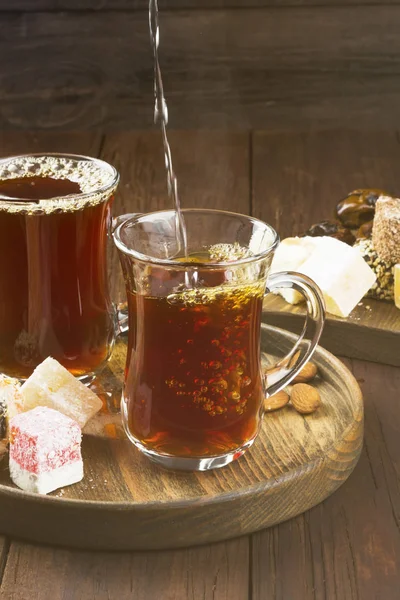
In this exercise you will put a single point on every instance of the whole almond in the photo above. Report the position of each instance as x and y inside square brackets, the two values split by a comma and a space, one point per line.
[307, 373]
[305, 398]
[278, 400]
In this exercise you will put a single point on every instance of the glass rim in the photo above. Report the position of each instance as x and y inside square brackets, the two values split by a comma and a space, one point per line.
[79, 195]
[181, 264]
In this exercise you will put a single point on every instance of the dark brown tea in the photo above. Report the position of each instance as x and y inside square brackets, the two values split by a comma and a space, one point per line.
[193, 380]
[37, 188]
[54, 298]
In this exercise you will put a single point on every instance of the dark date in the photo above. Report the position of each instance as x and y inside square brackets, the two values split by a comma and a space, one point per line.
[358, 207]
[365, 231]
[332, 229]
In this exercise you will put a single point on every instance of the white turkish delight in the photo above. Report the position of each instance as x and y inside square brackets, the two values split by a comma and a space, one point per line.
[53, 386]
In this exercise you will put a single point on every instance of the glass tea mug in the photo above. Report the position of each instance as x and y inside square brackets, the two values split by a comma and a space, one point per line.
[194, 386]
[55, 220]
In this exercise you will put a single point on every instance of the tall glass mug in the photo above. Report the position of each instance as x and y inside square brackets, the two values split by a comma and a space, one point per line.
[194, 386]
[55, 216]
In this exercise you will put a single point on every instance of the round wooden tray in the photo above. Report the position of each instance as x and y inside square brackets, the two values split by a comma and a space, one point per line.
[127, 502]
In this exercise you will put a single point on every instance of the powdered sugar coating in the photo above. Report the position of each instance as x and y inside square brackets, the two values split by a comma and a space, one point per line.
[47, 481]
[43, 439]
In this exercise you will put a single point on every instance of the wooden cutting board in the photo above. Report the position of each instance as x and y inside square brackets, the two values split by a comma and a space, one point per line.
[370, 332]
[127, 502]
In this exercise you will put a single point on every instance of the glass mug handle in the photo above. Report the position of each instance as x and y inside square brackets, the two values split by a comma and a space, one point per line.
[286, 369]
[121, 307]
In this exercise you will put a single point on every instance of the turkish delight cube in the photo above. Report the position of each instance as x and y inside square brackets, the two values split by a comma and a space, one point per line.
[52, 385]
[45, 450]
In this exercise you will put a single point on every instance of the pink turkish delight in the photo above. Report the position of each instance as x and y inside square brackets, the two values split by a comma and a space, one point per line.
[45, 450]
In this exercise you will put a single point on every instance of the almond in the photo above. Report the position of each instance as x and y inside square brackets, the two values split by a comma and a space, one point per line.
[278, 400]
[294, 359]
[307, 373]
[305, 398]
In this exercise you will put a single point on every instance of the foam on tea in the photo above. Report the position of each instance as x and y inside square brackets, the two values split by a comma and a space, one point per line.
[43, 184]
[228, 252]
[235, 281]
[55, 213]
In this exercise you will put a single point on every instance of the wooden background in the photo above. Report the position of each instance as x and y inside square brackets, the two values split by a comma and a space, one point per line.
[265, 64]
[348, 547]
[313, 87]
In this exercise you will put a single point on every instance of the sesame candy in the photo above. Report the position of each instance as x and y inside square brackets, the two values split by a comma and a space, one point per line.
[386, 229]
[383, 288]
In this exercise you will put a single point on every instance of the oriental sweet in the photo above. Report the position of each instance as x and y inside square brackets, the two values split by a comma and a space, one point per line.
[45, 451]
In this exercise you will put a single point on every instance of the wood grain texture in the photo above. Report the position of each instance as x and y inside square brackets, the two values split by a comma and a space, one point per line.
[370, 332]
[298, 178]
[222, 68]
[218, 572]
[212, 169]
[23, 142]
[127, 502]
[347, 548]
[132, 5]
[4, 551]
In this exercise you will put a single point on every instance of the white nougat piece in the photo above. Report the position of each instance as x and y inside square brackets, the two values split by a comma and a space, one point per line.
[340, 272]
[53, 386]
[290, 255]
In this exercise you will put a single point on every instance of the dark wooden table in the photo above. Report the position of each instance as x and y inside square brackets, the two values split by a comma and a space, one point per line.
[347, 548]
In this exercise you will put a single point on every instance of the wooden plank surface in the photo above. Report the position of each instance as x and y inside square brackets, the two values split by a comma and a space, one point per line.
[4, 550]
[23, 142]
[212, 169]
[217, 572]
[130, 5]
[347, 548]
[134, 5]
[222, 68]
[298, 178]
